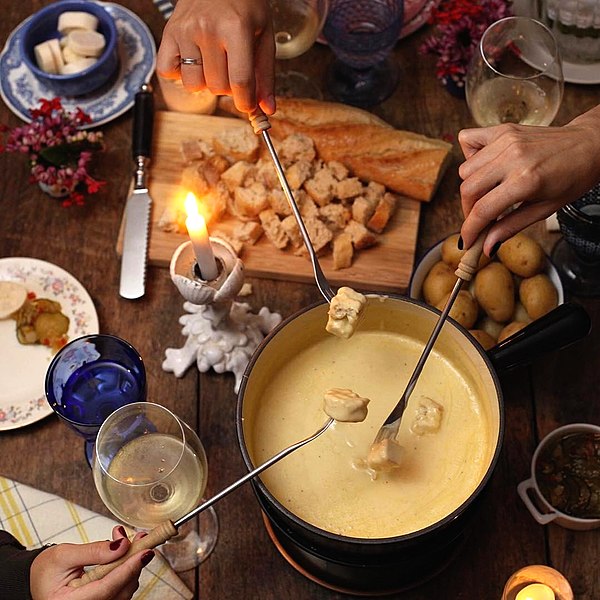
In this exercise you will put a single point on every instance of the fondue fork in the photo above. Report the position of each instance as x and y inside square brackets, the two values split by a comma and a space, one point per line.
[260, 123]
[168, 529]
[464, 273]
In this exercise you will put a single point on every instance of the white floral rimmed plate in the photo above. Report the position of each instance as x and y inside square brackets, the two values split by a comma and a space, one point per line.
[21, 90]
[23, 367]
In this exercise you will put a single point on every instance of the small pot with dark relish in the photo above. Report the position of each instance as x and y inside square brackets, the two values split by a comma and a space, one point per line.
[564, 487]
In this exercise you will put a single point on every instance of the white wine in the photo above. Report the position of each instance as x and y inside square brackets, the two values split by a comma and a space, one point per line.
[296, 28]
[133, 489]
[504, 100]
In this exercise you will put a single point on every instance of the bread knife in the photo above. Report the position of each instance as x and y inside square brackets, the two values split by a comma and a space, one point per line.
[139, 203]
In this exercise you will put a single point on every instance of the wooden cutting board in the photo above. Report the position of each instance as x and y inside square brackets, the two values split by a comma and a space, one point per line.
[385, 267]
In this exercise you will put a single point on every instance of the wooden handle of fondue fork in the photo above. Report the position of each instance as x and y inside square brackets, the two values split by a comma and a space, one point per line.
[159, 535]
[259, 121]
[469, 263]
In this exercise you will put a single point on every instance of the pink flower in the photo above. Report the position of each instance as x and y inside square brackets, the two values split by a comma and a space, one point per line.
[58, 149]
[458, 27]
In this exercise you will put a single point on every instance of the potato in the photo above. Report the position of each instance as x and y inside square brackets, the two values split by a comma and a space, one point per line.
[521, 314]
[522, 255]
[451, 255]
[464, 310]
[495, 292]
[12, 297]
[538, 295]
[493, 328]
[483, 337]
[439, 282]
[511, 328]
[40, 321]
[51, 326]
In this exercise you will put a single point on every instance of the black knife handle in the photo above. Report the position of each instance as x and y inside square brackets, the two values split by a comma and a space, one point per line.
[143, 122]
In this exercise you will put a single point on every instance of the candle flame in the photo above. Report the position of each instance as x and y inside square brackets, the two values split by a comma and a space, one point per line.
[191, 205]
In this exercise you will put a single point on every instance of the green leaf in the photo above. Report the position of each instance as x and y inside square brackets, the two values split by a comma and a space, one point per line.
[67, 154]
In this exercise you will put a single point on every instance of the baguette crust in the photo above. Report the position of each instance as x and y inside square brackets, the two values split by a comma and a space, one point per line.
[406, 162]
[314, 113]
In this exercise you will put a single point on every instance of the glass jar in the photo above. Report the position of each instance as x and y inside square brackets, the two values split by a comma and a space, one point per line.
[576, 26]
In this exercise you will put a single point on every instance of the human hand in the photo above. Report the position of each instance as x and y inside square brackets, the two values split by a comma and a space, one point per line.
[233, 39]
[539, 168]
[55, 567]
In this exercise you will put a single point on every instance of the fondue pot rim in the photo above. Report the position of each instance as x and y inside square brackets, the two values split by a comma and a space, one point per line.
[386, 540]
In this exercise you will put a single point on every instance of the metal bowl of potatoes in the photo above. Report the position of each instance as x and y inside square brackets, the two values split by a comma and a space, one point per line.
[508, 292]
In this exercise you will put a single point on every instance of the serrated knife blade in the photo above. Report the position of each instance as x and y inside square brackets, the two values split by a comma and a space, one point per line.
[135, 245]
[139, 204]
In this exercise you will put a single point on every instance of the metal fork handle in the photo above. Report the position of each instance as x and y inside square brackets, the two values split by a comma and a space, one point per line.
[250, 475]
[260, 124]
[464, 272]
[392, 423]
[168, 529]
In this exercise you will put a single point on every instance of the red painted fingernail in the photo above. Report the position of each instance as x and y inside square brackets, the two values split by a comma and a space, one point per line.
[142, 535]
[460, 242]
[495, 249]
[147, 557]
[121, 531]
[116, 544]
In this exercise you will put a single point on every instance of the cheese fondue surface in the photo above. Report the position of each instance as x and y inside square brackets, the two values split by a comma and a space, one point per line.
[326, 483]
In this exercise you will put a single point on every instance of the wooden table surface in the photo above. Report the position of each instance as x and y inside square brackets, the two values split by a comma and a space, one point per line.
[556, 389]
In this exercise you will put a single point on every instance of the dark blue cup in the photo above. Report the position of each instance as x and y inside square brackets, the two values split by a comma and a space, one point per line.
[89, 378]
[42, 26]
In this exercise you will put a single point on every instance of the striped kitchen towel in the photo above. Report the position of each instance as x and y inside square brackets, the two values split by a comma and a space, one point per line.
[37, 518]
[165, 7]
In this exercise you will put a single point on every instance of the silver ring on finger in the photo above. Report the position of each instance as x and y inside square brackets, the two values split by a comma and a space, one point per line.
[191, 61]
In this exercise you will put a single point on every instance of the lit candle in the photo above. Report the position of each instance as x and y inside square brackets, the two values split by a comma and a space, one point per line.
[536, 591]
[196, 227]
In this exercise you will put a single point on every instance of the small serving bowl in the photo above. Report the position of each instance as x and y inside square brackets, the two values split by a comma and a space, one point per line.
[42, 26]
[531, 492]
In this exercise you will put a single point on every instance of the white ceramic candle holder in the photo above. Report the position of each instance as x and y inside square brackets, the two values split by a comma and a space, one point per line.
[221, 332]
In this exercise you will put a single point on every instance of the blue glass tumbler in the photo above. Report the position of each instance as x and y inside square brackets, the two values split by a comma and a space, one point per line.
[89, 378]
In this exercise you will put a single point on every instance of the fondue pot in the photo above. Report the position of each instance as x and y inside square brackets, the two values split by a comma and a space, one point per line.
[384, 564]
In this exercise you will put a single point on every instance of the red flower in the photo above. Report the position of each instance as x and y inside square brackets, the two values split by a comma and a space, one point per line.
[458, 27]
[58, 150]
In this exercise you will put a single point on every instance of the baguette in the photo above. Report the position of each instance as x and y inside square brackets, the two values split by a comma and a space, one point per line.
[372, 150]
[315, 113]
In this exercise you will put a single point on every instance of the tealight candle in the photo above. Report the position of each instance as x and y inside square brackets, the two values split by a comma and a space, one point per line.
[196, 227]
[537, 582]
[536, 591]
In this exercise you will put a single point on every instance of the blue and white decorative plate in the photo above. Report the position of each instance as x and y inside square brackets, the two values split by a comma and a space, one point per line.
[21, 90]
[23, 367]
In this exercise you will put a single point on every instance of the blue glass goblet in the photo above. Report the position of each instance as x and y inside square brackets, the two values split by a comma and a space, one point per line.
[89, 378]
[361, 34]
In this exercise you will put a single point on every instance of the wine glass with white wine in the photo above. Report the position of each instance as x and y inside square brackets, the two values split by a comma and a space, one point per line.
[516, 74]
[150, 467]
[296, 26]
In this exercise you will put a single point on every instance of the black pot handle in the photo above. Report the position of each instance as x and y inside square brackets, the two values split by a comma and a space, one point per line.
[559, 328]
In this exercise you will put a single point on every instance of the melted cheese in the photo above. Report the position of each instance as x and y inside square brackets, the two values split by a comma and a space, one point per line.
[327, 483]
